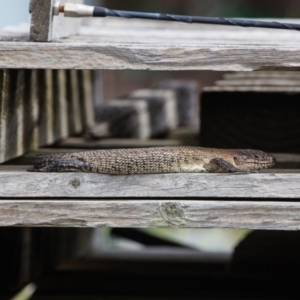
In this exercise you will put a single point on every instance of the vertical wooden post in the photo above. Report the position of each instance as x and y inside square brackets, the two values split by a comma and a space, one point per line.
[45, 26]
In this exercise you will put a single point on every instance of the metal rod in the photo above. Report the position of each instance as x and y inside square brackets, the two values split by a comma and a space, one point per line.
[80, 10]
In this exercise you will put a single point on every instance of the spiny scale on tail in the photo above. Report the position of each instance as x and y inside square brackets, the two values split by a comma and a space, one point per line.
[182, 159]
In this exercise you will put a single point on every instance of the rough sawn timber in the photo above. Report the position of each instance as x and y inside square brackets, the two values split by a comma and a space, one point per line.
[16, 182]
[150, 213]
[152, 45]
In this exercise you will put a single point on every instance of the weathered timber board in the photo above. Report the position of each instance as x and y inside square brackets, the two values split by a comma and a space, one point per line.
[16, 182]
[142, 45]
[150, 213]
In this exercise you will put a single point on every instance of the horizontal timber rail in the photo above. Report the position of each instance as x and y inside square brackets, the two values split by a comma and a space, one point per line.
[153, 214]
[149, 45]
[272, 184]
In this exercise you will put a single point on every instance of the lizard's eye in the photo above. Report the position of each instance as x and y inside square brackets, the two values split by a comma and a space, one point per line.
[256, 156]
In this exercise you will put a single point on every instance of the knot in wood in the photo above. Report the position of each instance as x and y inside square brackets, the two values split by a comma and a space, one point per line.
[75, 182]
[173, 213]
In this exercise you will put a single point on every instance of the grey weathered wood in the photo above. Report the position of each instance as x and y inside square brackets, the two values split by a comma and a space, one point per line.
[263, 75]
[4, 84]
[187, 98]
[46, 104]
[61, 126]
[86, 92]
[12, 114]
[131, 44]
[16, 182]
[150, 213]
[45, 26]
[74, 108]
[31, 111]
[169, 96]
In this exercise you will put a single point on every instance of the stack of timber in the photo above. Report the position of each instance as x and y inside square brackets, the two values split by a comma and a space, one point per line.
[148, 113]
[41, 107]
[187, 99]
[252, 111]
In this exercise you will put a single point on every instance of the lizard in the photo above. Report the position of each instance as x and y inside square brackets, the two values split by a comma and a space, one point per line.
[181, 159]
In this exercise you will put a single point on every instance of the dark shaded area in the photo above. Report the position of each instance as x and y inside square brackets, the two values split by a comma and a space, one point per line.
[254, 120]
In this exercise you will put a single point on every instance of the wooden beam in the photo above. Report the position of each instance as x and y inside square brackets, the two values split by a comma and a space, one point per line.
[150, 213]
[16, 182]
[142, 45]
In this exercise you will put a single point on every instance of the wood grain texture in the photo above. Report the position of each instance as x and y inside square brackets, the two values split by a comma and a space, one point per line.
[46, 105]
[86, 93]
[150, 213]
[146, 45]
[31, 111]
[12, 114]
[74, 108]
[88, 185]
[61, 126]
[45, 26]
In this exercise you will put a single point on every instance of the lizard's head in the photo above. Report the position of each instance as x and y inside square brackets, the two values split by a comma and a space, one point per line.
[253, 160]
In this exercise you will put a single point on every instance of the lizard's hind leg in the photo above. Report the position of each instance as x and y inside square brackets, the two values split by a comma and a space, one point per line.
[63, 165]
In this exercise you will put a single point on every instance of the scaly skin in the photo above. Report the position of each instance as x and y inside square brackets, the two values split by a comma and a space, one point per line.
[155, 160]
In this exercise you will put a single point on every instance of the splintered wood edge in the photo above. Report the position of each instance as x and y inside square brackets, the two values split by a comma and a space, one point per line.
[150, 213]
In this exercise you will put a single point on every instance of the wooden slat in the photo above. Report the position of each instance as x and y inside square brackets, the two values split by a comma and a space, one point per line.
[150, 213]
[12, 114]
[5, 82]
[46, 105]
[31, 111]
[61, 126]
[142, 45]
[73, 96]
[86, 92]
[263, 75]
[16, 182]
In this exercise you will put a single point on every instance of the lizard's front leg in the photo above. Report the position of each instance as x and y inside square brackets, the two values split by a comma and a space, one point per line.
[219, 165]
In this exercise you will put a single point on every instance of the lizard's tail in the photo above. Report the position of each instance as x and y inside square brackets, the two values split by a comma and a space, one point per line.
[42, 160]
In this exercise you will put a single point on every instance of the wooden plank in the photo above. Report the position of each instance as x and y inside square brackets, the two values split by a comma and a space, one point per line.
[150, 213]
[86, 92]
[187, 98]
[74, 108]
[61, 126]
[263, 75]
[170, 107]
[12, 114]
[122, 119]
[142, 45]
[45, 26]
[46, 104]
[4, 84]
[31, 111]
[16, 182]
